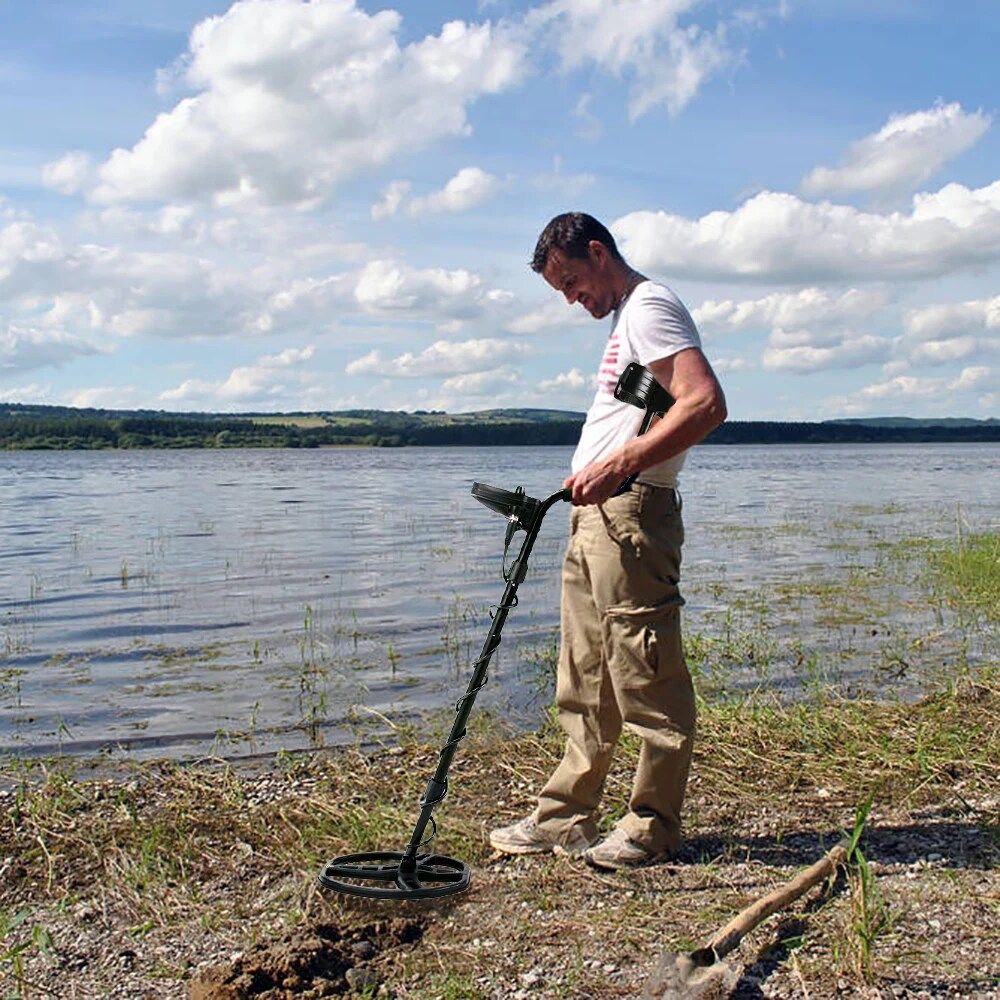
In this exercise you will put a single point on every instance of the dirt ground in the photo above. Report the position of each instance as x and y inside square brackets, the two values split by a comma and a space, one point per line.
[200, 881]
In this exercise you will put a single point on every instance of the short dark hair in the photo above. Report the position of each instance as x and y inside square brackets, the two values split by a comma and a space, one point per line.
[571, 233]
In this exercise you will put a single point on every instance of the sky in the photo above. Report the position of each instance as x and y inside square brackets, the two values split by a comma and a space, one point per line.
[279, 205]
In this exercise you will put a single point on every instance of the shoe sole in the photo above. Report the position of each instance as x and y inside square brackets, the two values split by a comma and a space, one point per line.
[556, 849]
[625, 865]
[508, 848]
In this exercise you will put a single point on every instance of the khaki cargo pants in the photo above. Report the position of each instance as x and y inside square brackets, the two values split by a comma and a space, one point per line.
[620, 661]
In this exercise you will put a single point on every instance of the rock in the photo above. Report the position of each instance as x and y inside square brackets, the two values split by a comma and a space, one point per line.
[361, 978]
[363, 949]
[531, 978]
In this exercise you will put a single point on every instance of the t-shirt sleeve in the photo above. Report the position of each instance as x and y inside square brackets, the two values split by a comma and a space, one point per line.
[660, 326]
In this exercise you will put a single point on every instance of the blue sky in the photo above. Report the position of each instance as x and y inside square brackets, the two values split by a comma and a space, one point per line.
[279, 205]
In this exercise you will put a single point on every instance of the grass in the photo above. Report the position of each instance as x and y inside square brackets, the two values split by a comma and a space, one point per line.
[286, 421]
[970, 571]
[167, 852]
[19, 938]
[870, 916]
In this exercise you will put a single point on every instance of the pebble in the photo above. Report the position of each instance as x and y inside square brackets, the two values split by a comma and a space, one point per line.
[361, 978]
[363, 949]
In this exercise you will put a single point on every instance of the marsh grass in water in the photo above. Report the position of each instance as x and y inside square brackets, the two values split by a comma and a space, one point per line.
[969, 571]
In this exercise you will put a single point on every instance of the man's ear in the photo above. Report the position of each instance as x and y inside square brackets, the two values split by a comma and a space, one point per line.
[598, 252]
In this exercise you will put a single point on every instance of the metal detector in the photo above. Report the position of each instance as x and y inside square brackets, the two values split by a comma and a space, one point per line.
[411, 874]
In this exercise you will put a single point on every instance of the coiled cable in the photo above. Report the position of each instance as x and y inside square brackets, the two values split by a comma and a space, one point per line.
[469, 695]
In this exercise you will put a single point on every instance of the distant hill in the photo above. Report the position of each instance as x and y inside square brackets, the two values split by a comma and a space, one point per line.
[915, 421]
[31, 426]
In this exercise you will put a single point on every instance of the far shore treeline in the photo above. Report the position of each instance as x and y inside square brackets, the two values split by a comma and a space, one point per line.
[25, 426]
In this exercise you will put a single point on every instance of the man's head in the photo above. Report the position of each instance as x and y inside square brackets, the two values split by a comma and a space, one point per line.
[579, 257]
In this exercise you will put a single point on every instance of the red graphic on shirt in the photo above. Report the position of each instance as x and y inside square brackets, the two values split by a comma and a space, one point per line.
[607, 376]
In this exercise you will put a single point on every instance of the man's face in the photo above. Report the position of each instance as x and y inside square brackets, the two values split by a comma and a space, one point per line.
[584, 280]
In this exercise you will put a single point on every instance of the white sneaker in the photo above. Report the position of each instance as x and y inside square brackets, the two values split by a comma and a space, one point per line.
[524, 837]
[619, 850]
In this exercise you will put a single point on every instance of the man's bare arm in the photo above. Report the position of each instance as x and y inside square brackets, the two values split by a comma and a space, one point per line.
[699, 408]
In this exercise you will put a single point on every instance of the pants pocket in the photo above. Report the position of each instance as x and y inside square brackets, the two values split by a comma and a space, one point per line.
[644, 644]
[646, 661]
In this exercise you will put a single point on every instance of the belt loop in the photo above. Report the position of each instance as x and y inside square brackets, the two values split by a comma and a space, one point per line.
[678, 500]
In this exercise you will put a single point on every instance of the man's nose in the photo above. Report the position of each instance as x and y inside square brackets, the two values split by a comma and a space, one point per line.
[570, 296]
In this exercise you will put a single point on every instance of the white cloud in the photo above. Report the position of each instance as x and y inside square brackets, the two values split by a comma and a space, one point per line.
[307, 301]
[488, 383]
[954, 331]
[905, 152]
[469, 187]
[392, 198]
[573, 379]
[26, 249]
[904, 386]
[954, 319]
[641, 40]
[387, 286]
[976, 377]
[108, 291]
[443, 357]
[270, 378]
[776, 237]
[803, 358]
[23, 349]
[722, 366]
[293, 98]
[806, 307]
[70, 174]
[33, 392]
[566, 186]
[589, 126]
[553, 315]
[944, 351]
[106, 397]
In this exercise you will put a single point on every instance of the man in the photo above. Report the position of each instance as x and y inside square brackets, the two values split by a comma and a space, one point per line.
[620, 659]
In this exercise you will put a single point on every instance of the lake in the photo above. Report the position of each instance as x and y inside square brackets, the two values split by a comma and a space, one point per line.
[235, 602]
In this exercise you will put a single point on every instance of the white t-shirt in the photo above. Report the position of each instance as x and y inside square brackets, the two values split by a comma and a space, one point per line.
[650, 325]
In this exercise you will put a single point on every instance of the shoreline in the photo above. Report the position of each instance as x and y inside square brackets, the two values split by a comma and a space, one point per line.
[748, 442]
[142, 887]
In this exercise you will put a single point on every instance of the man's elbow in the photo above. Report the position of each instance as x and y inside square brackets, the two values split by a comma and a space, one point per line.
[712, 406]
[719, 409]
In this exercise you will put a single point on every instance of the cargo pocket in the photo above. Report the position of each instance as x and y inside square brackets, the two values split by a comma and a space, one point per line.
[646, 661]
[644, 644]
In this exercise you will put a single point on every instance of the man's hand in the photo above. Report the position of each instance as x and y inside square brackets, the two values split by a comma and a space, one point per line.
[596, 482]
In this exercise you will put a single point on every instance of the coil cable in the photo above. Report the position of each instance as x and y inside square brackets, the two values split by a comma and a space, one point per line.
[506, 573]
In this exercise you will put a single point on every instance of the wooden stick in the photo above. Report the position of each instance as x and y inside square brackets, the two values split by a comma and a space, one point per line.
[746, 920]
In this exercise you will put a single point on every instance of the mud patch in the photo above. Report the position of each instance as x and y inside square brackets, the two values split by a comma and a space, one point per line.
[309, 961]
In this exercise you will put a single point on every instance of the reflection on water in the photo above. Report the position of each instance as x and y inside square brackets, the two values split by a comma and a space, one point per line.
[165, 601]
